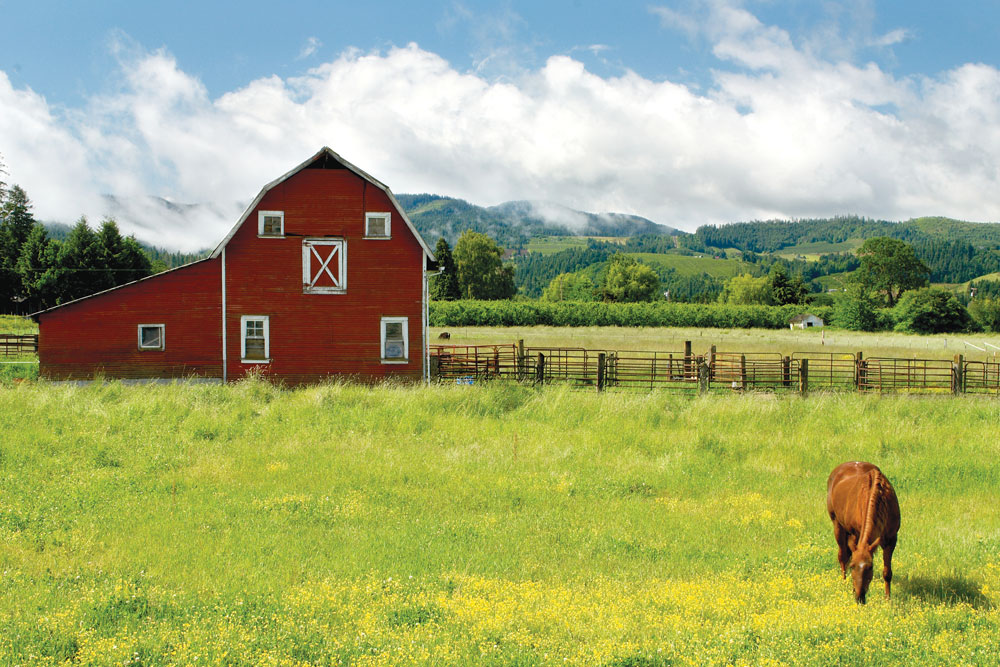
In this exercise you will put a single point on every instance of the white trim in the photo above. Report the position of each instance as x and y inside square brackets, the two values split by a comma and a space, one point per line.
[225, 357]
[260, 224]
[267, 338]
[347, 165]
[388, 225]
[338, 251]
[406, 340]
[163, 337]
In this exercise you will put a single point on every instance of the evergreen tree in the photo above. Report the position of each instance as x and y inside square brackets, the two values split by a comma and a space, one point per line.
[16, 222]
[444, 286]
[122, 257]
[78, 269]
[785, 290]
[36, 269]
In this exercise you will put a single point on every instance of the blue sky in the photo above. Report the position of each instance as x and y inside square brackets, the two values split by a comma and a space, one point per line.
[690, 112]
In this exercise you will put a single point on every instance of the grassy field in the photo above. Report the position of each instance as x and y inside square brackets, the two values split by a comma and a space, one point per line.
[549, 245]
[785, 341]
[495, 524]
[812, 251]
[692, 265]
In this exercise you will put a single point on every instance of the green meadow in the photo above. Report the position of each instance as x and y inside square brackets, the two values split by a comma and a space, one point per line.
[490, 524]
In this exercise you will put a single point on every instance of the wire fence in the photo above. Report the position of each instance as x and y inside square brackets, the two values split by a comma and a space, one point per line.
[683, 370]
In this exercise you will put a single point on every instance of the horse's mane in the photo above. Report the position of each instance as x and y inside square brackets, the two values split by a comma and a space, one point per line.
[874, 495]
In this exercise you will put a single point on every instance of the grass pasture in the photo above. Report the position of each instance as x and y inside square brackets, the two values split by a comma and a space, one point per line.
[492, 524]
[783, 341]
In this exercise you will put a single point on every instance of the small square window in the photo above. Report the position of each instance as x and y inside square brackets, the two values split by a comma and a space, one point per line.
[377, 225]
[395, 342]
[271, 223]
[254, 341]
[151, 337]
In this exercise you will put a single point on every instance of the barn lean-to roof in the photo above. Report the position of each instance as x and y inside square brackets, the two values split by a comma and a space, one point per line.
[325, 154]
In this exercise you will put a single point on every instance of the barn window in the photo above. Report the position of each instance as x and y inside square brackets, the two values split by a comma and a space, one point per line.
[271, 223]
[324, 266]
[377, 225]
[395, 341]
[255, 344]
[151, 337]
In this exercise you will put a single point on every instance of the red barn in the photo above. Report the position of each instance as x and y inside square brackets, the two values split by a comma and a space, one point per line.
[323, 275]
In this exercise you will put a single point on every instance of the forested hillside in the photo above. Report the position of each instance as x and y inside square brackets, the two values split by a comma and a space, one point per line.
[511, 224]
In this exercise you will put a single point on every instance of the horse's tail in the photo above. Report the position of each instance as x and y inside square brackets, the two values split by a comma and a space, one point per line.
[873, 496]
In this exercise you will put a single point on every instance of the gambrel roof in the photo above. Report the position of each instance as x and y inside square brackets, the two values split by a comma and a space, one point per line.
[325, 153]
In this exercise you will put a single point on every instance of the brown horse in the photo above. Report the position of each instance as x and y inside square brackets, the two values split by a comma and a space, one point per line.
[865, 514]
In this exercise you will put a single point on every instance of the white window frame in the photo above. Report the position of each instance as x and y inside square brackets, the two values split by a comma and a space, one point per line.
[163, 337]
[260, 224]
[388, 224]
[406, 340]
[309, 250]
[243, 339]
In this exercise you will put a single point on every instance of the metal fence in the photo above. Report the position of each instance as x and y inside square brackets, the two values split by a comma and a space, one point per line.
[685, 371]
[15, 345]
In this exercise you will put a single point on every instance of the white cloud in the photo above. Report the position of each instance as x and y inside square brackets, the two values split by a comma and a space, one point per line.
[783, 132]
[309, 48]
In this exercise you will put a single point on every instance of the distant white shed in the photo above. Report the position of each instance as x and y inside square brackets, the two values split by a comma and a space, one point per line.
[805, 321]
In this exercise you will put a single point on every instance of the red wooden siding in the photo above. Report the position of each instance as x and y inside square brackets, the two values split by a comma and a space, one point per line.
[99, 335]
[311, 336]
[314, 336]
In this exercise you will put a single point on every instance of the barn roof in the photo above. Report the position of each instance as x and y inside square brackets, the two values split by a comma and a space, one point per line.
[325, 154]
[35, 315]
[803, 317]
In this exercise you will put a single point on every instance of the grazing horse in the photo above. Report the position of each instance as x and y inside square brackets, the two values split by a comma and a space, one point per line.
[865, 514]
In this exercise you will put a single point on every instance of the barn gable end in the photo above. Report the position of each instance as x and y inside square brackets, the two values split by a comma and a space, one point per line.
[323, 275]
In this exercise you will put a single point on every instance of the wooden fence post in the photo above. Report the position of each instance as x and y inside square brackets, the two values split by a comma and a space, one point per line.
[743, 372]
[601, 370]
[435, 370]
[540, 369]
[711, 363]
[688, 370]
[958, 374]
[703, 376]
[804, 377]
[520, 359]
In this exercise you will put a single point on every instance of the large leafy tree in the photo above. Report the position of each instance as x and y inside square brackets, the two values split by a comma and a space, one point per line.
[444, 286]
[746, 290]
[890, 267]
[481, 273]
[929, 311]
[627, 279]
[569, 287]
[856, 309]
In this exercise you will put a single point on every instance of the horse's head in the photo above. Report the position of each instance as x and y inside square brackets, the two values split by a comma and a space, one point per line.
[862, 570]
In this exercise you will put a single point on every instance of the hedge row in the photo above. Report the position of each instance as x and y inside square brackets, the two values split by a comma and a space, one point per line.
[582, 314]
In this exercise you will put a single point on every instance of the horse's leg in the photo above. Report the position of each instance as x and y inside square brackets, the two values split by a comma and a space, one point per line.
[887, 548]
[843, 553]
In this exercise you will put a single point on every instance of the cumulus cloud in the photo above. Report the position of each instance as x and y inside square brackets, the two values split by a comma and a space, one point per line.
[782, 131]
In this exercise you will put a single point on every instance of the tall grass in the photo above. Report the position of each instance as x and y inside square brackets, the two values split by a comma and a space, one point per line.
[499, 524]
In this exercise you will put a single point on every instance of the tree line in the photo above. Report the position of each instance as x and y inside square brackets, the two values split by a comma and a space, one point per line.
[38, 272]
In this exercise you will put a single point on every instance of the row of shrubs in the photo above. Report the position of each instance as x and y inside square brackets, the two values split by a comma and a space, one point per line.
[589, 313]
